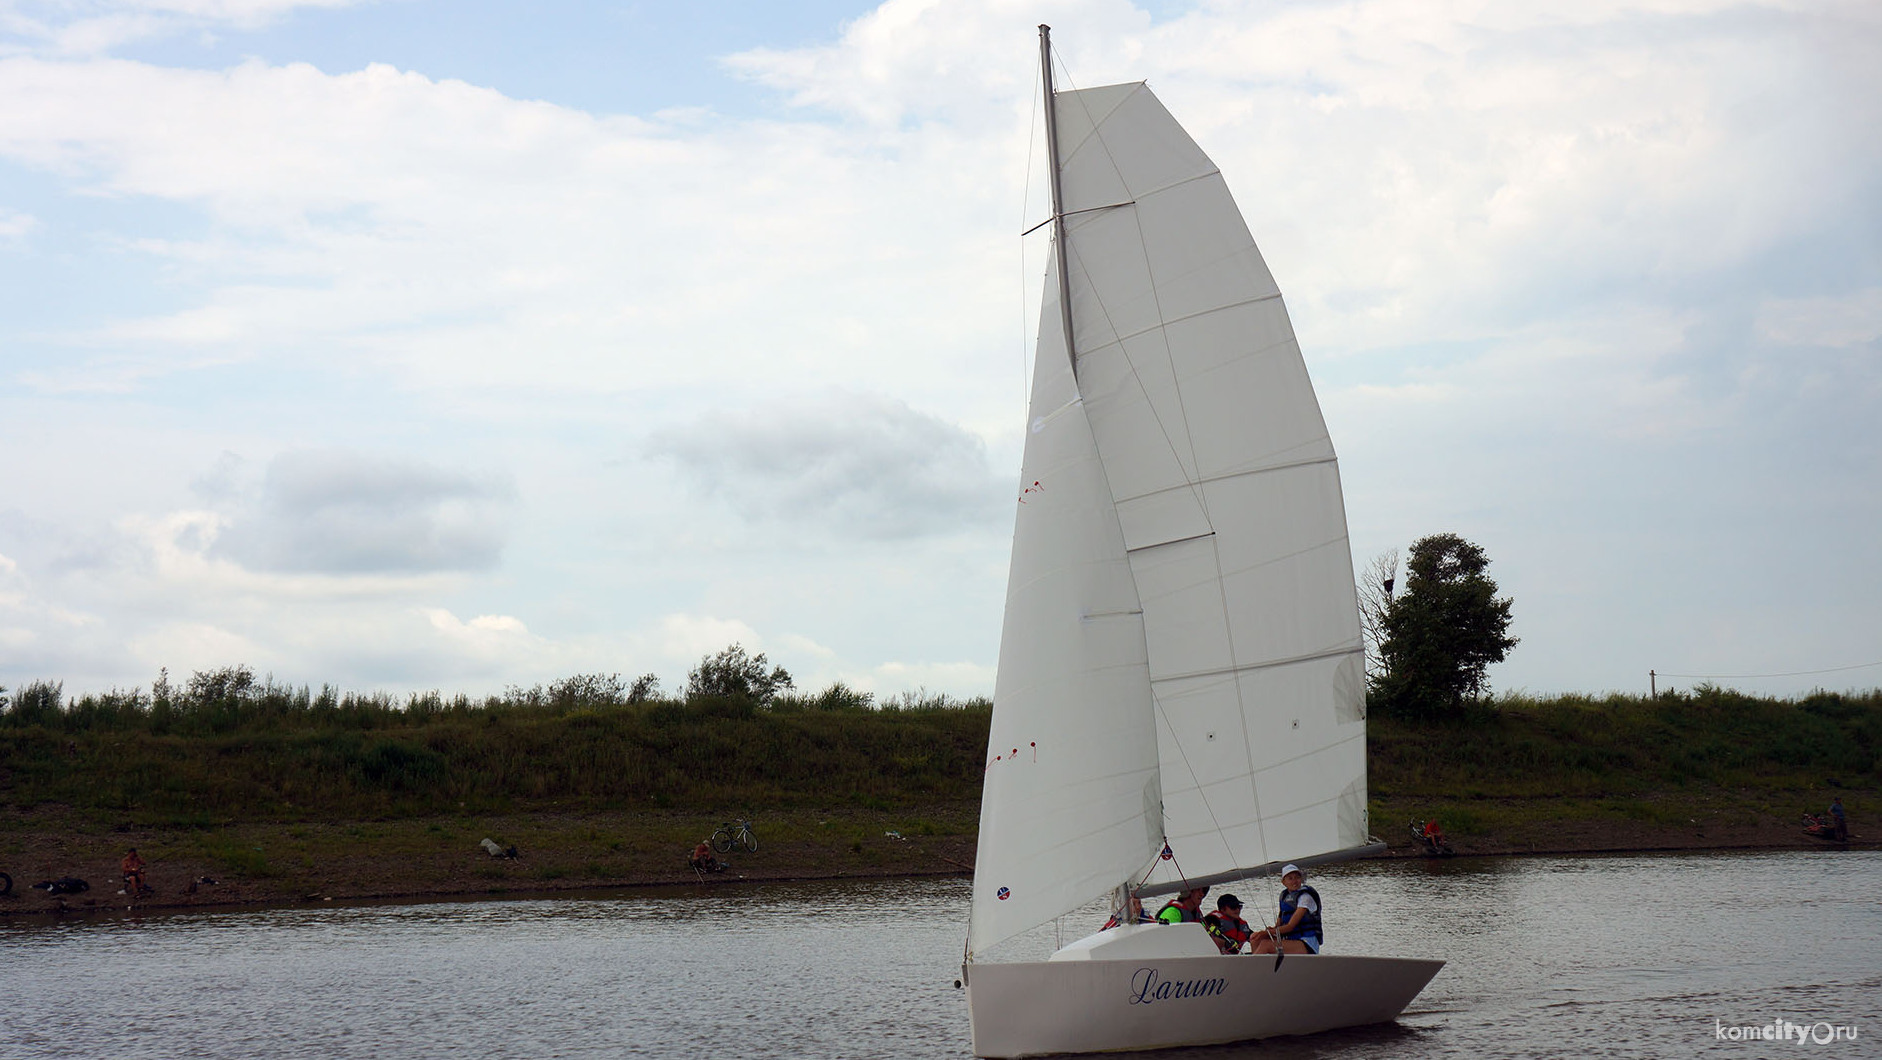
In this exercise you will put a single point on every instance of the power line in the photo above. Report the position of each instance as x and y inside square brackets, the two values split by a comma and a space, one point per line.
[1788, 673]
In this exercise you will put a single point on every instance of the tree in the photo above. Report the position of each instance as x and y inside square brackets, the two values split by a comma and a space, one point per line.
[1375, 596]
[1442, 630]
[732, 674]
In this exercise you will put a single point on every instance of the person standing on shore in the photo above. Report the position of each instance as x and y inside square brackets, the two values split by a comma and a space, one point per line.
[1842, 821]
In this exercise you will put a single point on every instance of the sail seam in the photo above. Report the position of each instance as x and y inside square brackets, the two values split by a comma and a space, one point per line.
[1078, 96]
[1254, 770]
[1251, 667]
[1265, 469]
[1198, 496]
[1163, 714]
[1162, 324]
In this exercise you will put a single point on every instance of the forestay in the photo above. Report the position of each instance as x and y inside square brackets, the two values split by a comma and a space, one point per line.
[1226, 490]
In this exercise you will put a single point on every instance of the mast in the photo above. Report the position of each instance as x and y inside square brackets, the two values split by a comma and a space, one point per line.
[1058, 199]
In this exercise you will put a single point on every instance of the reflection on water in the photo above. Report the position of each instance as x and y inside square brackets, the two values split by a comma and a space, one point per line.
[1625, 956]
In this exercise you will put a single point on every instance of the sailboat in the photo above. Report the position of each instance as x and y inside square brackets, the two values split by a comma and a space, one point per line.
[1180, 699]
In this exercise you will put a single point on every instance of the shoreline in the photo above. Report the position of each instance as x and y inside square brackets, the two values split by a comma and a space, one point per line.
[388, 861]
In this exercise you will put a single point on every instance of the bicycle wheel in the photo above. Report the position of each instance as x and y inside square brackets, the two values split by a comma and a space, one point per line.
[6, 884]
[749, 841]
[721, 841]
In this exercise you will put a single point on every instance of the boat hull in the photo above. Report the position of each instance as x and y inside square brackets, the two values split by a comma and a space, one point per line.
[1047, 1007]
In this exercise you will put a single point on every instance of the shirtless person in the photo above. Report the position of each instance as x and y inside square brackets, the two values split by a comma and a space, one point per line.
[133, 867]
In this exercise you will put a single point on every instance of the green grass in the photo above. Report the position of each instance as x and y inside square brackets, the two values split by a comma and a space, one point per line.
[265, 752]
[228, 749]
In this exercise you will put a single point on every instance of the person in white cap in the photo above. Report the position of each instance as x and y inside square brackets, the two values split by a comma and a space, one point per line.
[1298, 926]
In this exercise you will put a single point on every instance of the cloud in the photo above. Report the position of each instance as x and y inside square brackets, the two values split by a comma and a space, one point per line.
[1824, 320]
[96, 27]
[851, 464]
[337, 512]
[1605, 269]
[15, 226]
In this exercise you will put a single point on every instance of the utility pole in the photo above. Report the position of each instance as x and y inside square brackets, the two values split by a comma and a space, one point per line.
[1653, 690]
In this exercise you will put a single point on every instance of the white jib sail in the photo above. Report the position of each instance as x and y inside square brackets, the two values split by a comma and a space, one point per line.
[1069, 808]
[1227, 494]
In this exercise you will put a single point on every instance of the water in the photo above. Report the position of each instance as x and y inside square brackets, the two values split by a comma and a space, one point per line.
[1622, 956]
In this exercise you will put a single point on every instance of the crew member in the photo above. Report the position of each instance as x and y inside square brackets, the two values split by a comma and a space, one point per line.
[1134, 913]
[1185, 908]
[1226, 925]
[1298, 926]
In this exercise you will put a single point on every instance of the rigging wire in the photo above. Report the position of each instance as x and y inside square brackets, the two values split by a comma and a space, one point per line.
[1788, 673]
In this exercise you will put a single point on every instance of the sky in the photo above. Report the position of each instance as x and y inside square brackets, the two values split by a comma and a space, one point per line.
[404, 345]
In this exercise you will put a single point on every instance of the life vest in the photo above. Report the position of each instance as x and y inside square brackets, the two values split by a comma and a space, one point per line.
[1309, 924]
[1183, 916]
[1228, 932]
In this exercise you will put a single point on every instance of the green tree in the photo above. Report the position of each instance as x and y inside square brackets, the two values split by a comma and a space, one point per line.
[1442, 630]
[732, 674]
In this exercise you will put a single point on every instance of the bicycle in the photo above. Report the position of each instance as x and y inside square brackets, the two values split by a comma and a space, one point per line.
[734, 833]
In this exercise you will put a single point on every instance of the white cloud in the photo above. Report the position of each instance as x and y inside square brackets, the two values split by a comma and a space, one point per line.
[15, 226]
[849, 464]
[66, 27]
[341, 512]
[1529, 252]
[1823, 320]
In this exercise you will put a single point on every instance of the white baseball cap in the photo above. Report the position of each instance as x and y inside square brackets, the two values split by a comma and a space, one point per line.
[1288, 870]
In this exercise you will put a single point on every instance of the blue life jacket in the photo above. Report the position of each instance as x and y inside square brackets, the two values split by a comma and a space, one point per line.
[1309, 924]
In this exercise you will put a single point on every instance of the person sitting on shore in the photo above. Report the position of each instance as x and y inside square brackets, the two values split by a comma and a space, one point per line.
[703, 860]
[133, 867]
[1226, 925]
[1185, 908]
[1298, 927]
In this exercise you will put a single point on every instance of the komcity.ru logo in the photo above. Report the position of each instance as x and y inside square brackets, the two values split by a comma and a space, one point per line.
[1821, 1032]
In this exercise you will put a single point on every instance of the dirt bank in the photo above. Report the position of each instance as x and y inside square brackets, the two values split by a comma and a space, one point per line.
[275, 862]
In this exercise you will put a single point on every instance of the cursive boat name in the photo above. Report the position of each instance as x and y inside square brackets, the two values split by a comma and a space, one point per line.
[1147, 986]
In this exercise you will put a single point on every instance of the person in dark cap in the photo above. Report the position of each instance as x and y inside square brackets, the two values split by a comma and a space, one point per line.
[1226, 925]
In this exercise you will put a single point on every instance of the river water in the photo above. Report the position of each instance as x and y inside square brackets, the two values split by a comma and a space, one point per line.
[1612, 956]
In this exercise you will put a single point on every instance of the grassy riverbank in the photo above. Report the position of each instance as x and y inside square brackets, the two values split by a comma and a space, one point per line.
[282, 793]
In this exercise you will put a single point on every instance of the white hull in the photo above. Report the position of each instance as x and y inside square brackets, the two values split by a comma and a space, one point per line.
[1087, 1006]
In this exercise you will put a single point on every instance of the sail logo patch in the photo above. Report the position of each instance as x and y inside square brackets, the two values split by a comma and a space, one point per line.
[1003, 894]
[1147, 987]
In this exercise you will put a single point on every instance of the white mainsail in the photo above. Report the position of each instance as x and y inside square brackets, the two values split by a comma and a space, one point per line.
[1180, 605]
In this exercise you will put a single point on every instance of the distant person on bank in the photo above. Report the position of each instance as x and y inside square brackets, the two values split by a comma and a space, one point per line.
[1840, 819]
[133, 868]
[1298, 926]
